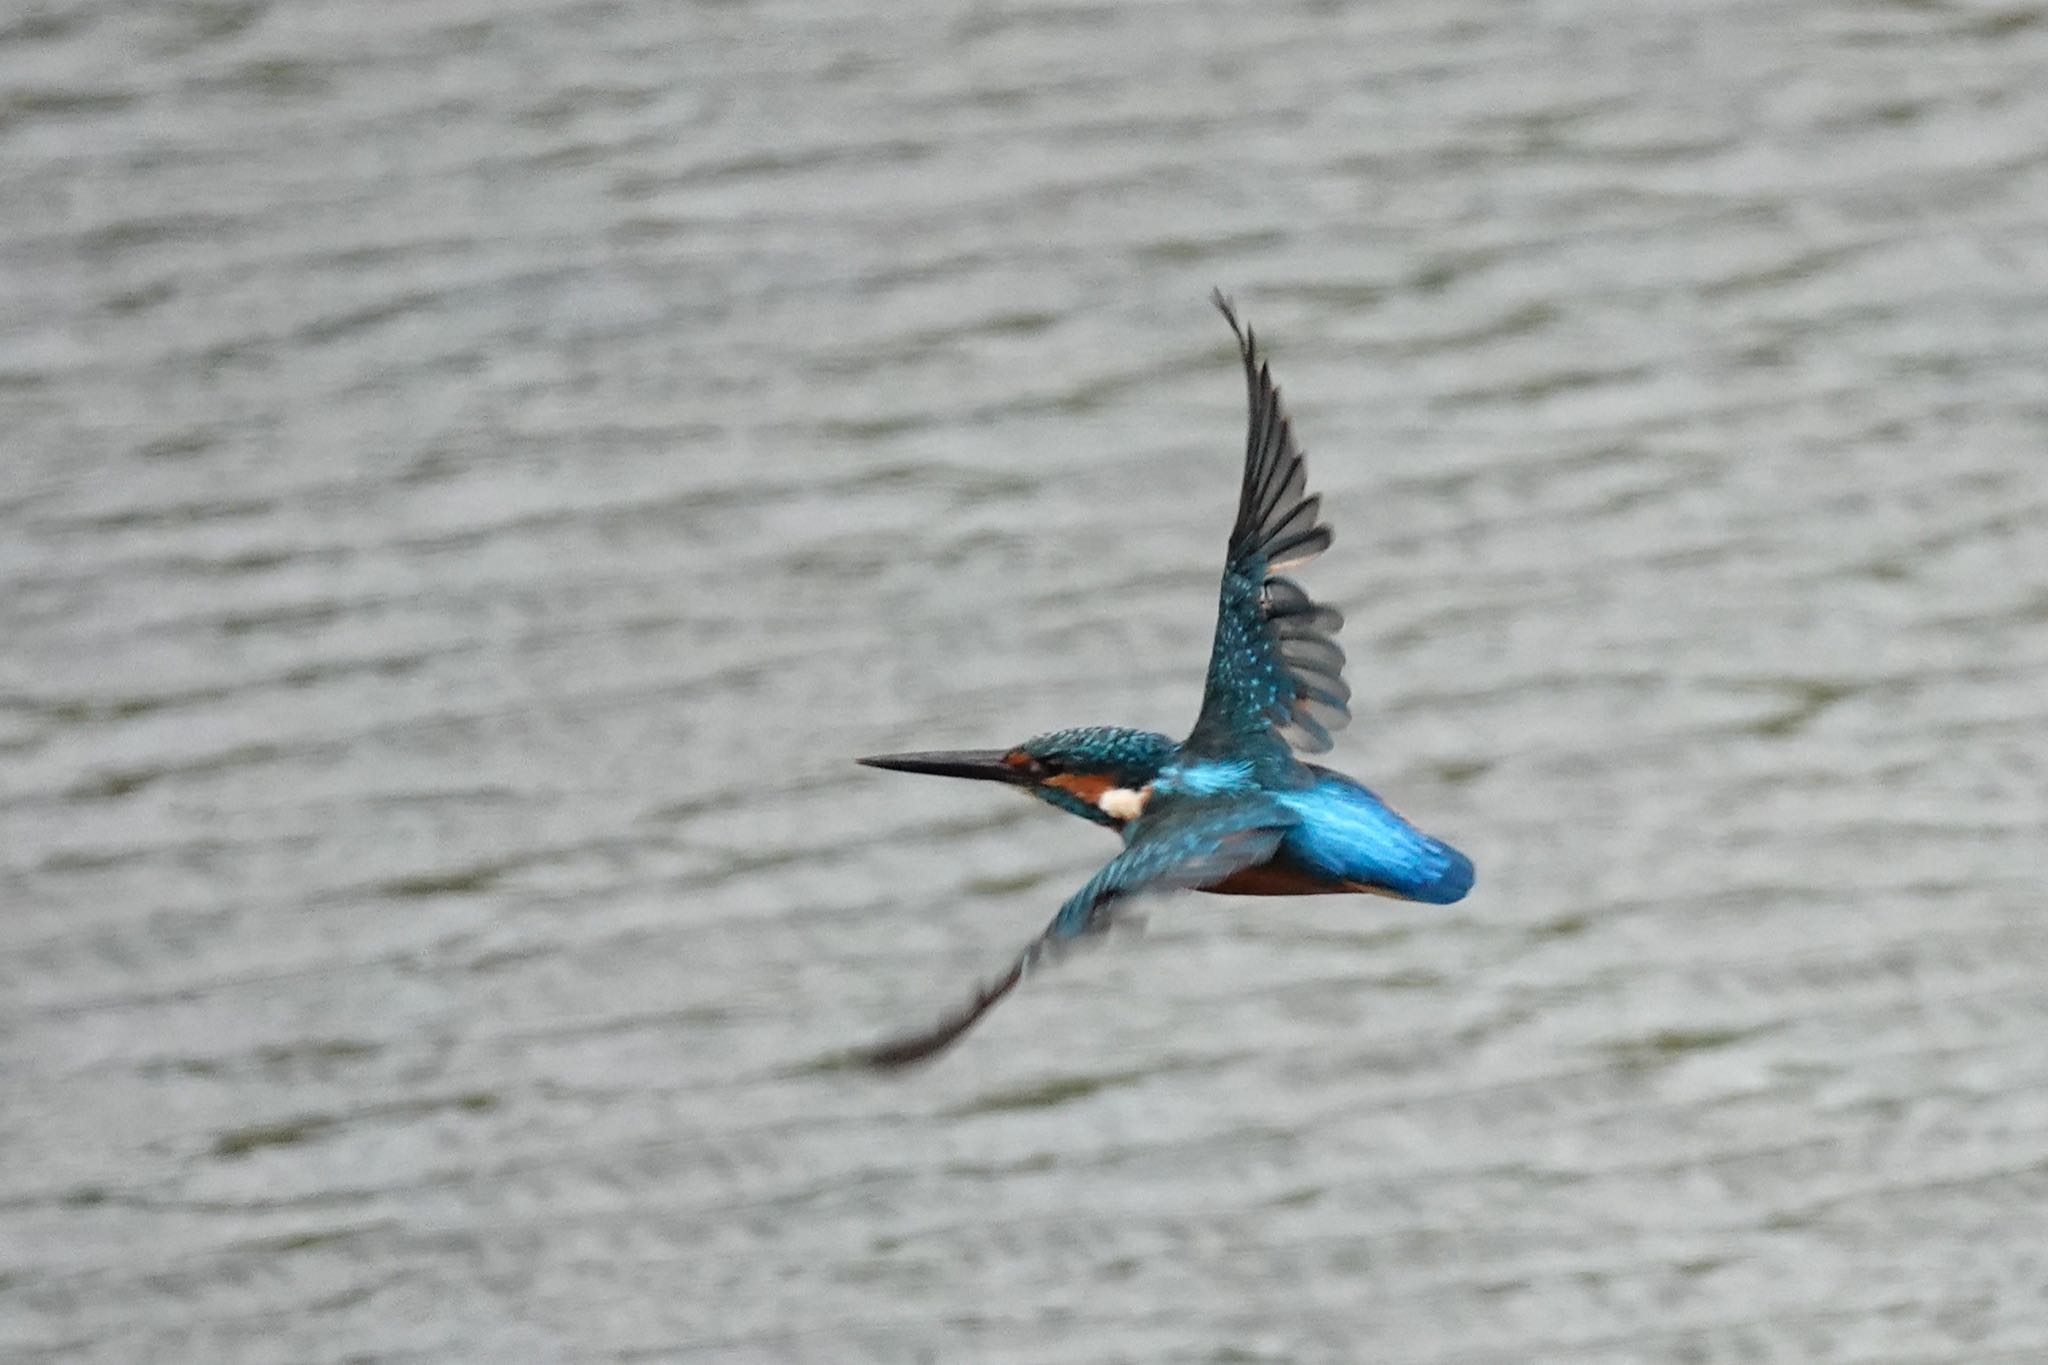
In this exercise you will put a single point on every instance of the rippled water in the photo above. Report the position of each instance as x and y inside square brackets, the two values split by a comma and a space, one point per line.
[475, 474]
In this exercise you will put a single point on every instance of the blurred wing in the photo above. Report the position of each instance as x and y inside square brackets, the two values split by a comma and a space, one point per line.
[1182, 846]
[1276, 665]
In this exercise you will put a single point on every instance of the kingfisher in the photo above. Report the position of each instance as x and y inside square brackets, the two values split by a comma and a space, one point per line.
[1232, 808]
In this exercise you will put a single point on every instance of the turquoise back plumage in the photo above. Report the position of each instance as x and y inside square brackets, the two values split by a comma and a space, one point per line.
[1347, 834]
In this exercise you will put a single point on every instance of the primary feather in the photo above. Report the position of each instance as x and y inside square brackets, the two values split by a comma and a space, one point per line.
[1276, 668]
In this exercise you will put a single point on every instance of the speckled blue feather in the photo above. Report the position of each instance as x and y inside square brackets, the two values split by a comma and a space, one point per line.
[1276, 672]
[1128, 758]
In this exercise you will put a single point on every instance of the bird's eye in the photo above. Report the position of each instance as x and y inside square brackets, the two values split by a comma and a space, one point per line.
[1027, 764]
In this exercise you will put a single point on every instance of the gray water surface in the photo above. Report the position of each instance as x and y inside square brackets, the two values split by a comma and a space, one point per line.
[474, 475]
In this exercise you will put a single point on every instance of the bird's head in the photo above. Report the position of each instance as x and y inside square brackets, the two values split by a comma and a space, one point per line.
[1095, 772]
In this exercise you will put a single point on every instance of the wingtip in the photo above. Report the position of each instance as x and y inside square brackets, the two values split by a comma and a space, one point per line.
[1229, 311]
[912, 1049]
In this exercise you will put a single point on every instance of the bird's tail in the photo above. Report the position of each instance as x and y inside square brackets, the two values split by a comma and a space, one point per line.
[1451, 879]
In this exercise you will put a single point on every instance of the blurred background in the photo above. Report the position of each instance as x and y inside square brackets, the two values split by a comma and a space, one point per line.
[475, 474]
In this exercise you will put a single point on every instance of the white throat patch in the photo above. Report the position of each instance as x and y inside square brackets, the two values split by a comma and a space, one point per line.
[1124, 803]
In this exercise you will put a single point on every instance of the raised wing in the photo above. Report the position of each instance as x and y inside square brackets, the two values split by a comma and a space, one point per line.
[1179, 845]
[1276, 666]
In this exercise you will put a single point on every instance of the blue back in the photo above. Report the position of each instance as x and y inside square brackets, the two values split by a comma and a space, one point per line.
[1348, 834]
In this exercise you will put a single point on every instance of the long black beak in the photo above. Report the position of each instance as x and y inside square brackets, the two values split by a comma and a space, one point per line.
[986, 764]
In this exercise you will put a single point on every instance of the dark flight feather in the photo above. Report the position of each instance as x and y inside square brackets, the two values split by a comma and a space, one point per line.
[1276, 666]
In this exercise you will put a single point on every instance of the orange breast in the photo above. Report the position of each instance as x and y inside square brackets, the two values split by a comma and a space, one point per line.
[1269, 879]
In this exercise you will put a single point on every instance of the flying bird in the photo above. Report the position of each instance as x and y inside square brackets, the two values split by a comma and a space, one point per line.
[1231, 808]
